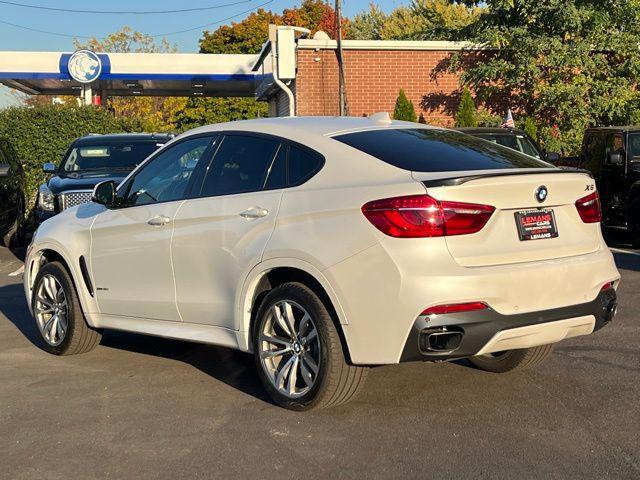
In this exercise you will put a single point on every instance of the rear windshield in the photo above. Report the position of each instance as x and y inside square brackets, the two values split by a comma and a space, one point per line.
[427, 150]
[108, 156]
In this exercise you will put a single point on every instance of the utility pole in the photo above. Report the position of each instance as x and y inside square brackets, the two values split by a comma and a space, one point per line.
[342, 96]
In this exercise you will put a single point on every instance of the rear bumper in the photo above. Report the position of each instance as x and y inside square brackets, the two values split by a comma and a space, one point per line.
[486, 331]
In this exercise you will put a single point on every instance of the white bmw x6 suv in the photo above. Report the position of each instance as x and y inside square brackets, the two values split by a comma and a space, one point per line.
[327, 245]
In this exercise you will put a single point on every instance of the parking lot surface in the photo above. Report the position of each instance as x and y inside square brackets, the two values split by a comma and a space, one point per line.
[143, 407]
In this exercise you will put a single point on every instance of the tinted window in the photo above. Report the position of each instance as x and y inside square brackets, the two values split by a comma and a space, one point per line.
[515, 140]
[504, 140]
[427, 150]
[302, 165]
[166, 177]
[634, 146]
[240, 165]
[276, 177]
[595, 152]
[107, 156]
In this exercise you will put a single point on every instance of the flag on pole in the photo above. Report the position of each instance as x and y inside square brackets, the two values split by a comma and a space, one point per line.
[508, 120]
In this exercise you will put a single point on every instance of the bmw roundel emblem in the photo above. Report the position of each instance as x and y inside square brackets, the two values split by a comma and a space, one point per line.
[84, 66]
[541, 193]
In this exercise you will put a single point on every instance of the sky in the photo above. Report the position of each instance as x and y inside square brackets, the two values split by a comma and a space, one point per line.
[95, 25]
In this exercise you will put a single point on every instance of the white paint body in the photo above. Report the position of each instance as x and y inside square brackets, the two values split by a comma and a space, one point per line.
[195, 277]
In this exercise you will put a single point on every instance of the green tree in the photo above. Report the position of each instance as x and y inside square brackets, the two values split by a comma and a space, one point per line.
[124, 41]
[202, 111]
[404, 109]
[567, 63]
[466, 115]
[152, 113]
[42, 133]
[367, 25]
[247, 36]
[529, 127]
[421, 20]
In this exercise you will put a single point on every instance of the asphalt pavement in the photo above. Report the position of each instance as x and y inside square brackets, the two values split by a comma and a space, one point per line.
[143, 407]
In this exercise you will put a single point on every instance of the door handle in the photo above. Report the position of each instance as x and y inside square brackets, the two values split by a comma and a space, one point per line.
[158, 220]
[254, 212]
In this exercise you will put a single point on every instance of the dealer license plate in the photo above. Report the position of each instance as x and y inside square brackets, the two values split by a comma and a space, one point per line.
[536, 224]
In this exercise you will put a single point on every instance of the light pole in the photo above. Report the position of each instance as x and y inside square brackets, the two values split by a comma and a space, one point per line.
[342, 96]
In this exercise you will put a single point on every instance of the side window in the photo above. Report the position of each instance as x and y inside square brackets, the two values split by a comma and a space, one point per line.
[594, 153]
[240, 165]
[302, 165]
[615, 143]
[166, 177]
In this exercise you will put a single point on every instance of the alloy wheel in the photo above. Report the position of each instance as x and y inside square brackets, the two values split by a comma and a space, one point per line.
[289, 349]
[51, 310]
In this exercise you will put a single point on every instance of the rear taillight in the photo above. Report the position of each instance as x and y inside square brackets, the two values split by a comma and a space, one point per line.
[455, 308]
[423, 216]
[589, 208]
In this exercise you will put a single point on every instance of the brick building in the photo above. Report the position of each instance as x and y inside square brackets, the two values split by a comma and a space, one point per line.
[375, 71]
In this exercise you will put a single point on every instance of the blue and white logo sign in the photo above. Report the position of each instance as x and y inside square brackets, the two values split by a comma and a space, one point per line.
[84, 66]
[541, 193]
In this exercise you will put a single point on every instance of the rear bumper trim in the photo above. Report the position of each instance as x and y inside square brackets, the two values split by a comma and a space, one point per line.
[486, 331]
[540, 334]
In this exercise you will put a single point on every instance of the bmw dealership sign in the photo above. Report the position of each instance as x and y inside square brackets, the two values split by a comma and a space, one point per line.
[84, 66]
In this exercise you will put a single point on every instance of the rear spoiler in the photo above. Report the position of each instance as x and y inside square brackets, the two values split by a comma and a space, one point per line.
[453, 181]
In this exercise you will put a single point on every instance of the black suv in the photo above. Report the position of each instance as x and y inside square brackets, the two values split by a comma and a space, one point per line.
[612, 155]
[512, 138]
[89, 161]
[12, 201]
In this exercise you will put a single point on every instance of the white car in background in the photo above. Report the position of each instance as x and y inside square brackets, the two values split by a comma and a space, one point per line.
[327, 245]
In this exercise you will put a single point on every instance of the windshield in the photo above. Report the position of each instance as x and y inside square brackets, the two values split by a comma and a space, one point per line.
[435, 150]
[114, 156]
[634, 146]
[515, 141]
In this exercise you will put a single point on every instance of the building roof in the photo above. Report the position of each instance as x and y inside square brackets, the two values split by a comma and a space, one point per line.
[313, 43]
[164, 74]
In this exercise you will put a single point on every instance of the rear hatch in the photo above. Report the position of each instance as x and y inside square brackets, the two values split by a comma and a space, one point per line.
[513, 194]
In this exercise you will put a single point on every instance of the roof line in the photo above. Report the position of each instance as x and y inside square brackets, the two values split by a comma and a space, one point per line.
[388, 45]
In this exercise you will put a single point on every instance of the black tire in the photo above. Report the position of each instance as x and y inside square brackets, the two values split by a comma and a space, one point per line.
[513, 359]
[336, 382]
[79, 336]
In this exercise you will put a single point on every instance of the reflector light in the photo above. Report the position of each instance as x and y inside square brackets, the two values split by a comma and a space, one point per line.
[589, 208]
[455, 308]
[417, 216]
[607, 286]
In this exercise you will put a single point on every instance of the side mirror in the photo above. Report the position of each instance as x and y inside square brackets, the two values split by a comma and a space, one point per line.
[553, 157]
[5, 170]
[104, 193]
[49, 167]
[614, 158]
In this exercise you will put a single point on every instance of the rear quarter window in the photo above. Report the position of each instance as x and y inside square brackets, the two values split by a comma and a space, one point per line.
[433, 150]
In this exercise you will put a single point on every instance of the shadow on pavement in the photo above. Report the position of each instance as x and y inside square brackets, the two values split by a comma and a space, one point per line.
[232, 367]
[235, 368]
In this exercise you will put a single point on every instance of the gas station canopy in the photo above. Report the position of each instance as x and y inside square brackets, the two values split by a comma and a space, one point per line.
[85, 73]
